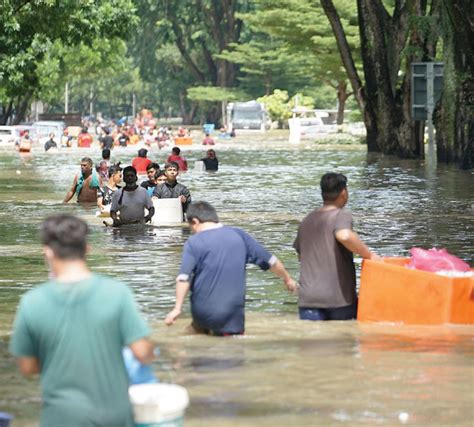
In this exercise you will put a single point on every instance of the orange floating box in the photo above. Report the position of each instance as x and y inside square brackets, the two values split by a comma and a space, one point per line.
[390, 292]
[184, 140]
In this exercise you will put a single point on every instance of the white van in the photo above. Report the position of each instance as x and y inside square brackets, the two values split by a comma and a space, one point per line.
[43, 129]
[8, 136]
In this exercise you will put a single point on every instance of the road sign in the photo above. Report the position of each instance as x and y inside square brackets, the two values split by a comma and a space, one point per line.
[426, 88]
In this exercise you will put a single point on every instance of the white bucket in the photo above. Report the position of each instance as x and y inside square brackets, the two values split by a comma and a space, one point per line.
[199, 166]
[160, 405]
[167, 211]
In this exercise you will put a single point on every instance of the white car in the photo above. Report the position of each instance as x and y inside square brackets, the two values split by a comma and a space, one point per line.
[8, 136]
[43, 129]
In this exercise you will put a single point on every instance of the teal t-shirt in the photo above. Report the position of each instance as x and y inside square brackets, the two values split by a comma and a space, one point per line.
[77, 332]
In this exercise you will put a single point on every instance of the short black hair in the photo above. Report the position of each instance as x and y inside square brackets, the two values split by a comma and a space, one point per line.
[88, 160]
[159, 173]
[142, 152]
[127, 169]
[171, 165]
[176, 150]
[155, 166]
[66, 235]
[202, 211]
[332, 184]
[106, 153]
[114, 169]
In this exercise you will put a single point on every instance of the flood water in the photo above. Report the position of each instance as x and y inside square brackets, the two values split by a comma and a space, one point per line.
[283, 371]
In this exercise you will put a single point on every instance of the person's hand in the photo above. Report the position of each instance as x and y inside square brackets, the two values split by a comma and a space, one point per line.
[116, 223]
[147, 218]
[292, 285]
[172, 316]
[375, 257]
[182, 198]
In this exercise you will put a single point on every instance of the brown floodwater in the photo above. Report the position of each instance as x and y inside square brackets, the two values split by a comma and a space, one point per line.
[283, 372]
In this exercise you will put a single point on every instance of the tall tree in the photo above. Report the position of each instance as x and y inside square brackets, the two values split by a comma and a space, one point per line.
[29, 28]
[301, 26]
[199, 30]
[390, 39]
[455, 117]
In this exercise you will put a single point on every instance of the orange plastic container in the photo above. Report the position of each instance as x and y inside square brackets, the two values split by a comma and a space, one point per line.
[184, 140]
[390, 292]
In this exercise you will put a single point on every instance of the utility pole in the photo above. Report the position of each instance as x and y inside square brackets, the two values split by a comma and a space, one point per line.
[66, 98]
[134, 105]
[91, 101]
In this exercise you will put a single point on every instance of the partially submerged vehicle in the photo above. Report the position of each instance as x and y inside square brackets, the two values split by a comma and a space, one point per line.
[249, 115]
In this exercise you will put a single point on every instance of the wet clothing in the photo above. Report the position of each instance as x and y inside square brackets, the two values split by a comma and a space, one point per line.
[341, 313]
[84, 140]
[107, 142]
[208, 141]
[173, 191]
[123, 140]
[149, 186]
[140, 164]
[327, 273]
[107, 193]
[131, 204]
[180, 161]
[50, 144]
[77, 332]
[214, 262]
[86, 189]
[211, 164]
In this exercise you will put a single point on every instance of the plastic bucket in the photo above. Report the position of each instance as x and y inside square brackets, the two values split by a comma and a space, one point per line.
[160, 405]
[199, 166]
[167, 211]
[5, 419]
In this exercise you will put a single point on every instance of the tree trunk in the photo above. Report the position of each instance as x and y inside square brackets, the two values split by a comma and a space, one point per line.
[455, 118]
[21, 109]
[342, 96]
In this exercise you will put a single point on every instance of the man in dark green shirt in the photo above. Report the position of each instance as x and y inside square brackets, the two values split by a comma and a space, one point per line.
[71, 330]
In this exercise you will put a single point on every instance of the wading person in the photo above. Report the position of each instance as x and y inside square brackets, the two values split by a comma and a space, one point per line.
[131, 201]
[151, 171]
[141, 162]
[50, 143]
[325, 244]
[86, 184]
[105, 194]
[172, 189]
[213, 269]
[210, 161]
[71, 331]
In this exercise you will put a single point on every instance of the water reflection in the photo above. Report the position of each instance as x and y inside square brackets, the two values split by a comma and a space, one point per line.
[283, 371]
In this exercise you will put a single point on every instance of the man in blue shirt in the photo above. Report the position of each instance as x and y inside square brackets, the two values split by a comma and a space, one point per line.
[213, 268]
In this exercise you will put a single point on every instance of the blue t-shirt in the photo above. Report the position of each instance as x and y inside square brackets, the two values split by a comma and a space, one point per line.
[214, 262]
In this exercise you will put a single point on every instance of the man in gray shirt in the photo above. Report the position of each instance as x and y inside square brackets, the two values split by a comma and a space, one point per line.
[325, 245]
[131, 201]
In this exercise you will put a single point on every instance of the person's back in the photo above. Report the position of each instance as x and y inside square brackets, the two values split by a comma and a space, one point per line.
[84, 140]
[77, 327]
[180, 161]
[327, 277]
[218, 291]
[72, 329]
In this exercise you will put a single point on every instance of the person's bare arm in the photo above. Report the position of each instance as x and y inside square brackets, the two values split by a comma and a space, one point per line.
[71, 192]
[182, 288]
[100, 203]
[142, 349]
[28, 366]
[279, 270]
[353, 243]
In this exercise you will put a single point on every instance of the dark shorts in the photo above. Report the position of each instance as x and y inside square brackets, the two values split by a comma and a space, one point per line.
[201, 330]
[340, 313]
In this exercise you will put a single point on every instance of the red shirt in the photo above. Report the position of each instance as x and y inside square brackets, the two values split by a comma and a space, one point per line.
[140, 164]
[84, 140]
[181, 161]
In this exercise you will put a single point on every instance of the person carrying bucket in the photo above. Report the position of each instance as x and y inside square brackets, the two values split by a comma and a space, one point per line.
[71, 331]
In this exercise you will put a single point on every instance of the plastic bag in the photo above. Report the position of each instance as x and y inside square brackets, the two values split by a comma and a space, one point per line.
[436, 260]
[137, 373]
